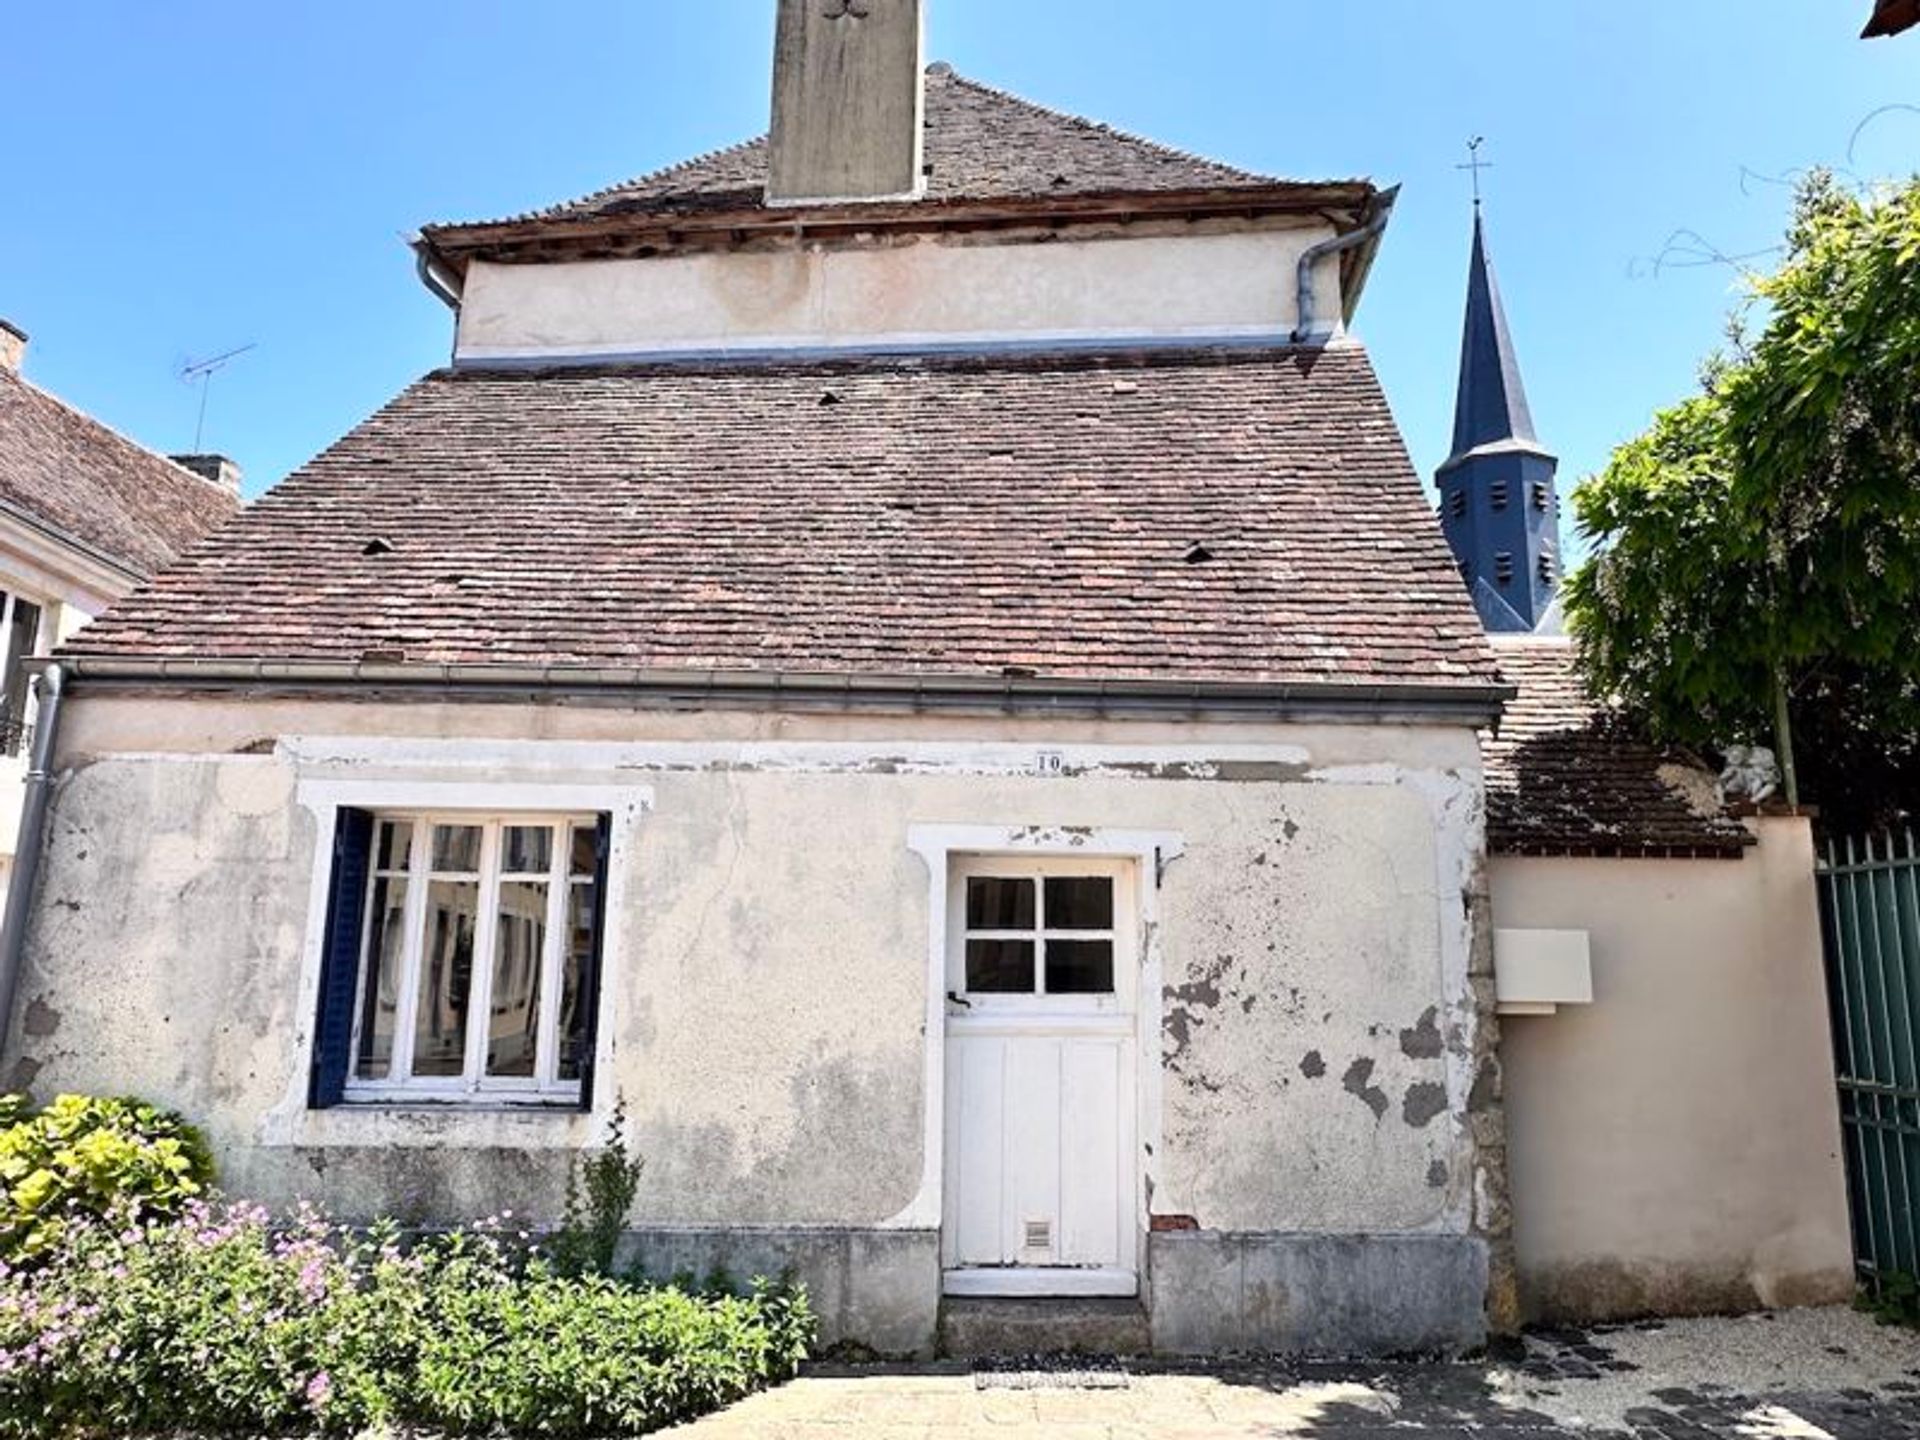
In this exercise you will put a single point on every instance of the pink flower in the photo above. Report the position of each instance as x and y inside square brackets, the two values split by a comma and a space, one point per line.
[319, 1390]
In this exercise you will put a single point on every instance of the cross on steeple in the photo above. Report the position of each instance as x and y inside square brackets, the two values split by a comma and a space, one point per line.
[1476, 165]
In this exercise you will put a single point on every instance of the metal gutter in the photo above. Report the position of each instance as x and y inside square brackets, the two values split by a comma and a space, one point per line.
[49, 687]
[1379, 209]
[1476, 703]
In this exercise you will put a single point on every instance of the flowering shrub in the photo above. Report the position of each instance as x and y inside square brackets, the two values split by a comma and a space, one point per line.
[219, 1320]
[83, 1157]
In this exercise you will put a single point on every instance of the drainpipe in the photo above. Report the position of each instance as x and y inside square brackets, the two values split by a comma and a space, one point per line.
[26, 855]
[1376, 221]
[435, 276]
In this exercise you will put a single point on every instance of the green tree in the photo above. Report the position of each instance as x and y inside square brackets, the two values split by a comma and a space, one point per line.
[1756, 568]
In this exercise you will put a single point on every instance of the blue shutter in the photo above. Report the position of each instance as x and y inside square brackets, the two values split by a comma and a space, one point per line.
[590, 982]
[340, 957]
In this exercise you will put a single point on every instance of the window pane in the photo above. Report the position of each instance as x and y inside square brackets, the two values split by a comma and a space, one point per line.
[446, 976]
[520, 940]
[995, 902]
[394, 846]
[526, 849]
[13, 702]
[1079, 902]
[583, 848]
[456, 847]
[380, 1001]
[1000, 966]
[573, 975]
[1079, 967]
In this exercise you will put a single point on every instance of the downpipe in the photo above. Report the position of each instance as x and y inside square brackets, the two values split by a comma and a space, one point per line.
[48, 689]
[1376, 221]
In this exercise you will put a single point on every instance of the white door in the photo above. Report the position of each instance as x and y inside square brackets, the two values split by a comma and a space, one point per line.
[1040, 1092]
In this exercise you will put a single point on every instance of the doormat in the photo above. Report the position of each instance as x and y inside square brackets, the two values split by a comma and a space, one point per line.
[1051, 1372]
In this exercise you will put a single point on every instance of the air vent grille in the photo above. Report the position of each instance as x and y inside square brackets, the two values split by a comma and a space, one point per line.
[1039, 1235]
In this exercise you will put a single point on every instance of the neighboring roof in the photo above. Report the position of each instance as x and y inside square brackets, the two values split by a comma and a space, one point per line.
[89, 485]
[1565, 776]
[1490, 403]
[1184, 515]
[980, 144]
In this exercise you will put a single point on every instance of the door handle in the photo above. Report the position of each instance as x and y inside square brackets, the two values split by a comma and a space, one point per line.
[954, 997]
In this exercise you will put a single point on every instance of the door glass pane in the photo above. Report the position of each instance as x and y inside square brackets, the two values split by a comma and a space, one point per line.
[456, 847]
[1079, 967]
[446, 976]
[520, 940]
[526, 849]
[573, 975]
[396, 844]
[1000, 966]
[996, 902]
[1079, 902]
[380, 1001]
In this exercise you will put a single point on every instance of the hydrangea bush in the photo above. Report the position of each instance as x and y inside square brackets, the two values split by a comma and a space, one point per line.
[221, 1320]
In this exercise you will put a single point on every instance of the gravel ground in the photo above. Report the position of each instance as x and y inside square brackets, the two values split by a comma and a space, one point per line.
[1831, 1351]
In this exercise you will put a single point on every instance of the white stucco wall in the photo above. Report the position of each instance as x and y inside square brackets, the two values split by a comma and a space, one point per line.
[766, 989]
[1675, 1145]
[926, 291]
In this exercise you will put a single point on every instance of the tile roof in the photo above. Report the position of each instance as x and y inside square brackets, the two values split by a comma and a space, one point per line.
[1233, 514]
[1566, 776]
[982, 144]
[92, 485]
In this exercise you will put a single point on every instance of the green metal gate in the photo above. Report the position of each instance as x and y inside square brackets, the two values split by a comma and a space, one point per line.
[1870, 916]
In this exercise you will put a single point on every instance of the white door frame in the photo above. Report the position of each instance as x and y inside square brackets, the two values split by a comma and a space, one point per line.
[1151, 851]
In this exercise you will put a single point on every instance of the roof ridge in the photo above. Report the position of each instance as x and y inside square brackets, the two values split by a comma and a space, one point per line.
[120, 435]
[1098, 127]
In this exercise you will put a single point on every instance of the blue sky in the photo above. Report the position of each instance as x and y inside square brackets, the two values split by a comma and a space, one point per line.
[190, 177]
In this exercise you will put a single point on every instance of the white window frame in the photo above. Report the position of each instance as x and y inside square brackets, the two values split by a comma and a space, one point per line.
[1119, 873]
[544, 1086]
[30, 705]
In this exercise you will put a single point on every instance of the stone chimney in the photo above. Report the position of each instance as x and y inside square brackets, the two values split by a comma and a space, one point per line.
[13, 346]
[217, 468]
[847, 94]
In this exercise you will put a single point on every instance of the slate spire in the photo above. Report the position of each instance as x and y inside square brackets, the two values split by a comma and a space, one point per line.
[1498, 507]
[1491, 403]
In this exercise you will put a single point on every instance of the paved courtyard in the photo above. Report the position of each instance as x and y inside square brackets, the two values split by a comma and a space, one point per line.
[1796, 1375]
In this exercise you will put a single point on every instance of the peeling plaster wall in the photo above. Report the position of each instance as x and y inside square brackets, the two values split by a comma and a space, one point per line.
[1676, 1144]
[767, 954]
[1202, 280]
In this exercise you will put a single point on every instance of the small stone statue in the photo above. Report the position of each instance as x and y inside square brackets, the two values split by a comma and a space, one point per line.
[1750, 773]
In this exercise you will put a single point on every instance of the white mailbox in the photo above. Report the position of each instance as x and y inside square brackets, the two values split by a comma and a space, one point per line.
[1537, 971]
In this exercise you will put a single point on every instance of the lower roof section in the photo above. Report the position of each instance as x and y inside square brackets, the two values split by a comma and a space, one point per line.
[1566, 775]
[1234, 517]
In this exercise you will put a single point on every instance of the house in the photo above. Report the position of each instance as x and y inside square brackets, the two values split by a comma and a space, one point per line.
[85, 516]
[909, 652]
[1674, 1140]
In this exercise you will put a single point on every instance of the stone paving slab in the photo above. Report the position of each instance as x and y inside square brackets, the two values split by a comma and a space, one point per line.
[1801, 1375]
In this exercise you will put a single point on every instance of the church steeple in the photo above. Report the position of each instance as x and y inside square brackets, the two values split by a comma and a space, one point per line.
[1498, 507]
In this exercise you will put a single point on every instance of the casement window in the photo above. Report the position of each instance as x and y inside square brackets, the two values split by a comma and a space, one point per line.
[462, 958]
[1036, 928]
[20, 629]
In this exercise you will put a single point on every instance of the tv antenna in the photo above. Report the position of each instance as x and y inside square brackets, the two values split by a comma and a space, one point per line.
[204, 371]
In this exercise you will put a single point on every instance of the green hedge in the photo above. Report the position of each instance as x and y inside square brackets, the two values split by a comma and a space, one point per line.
[222, 1321]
